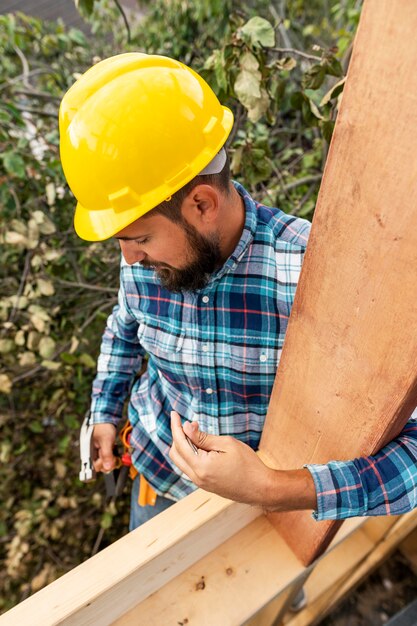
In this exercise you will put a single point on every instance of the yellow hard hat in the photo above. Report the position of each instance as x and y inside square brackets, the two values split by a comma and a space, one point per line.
[134, 129]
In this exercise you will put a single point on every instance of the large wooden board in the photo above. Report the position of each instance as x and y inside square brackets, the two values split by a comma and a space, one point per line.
[347, 379]
[243, 575]
[99, 591]
[236, 580]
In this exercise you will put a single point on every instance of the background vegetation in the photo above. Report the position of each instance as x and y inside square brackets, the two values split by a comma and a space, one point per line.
[280, 66]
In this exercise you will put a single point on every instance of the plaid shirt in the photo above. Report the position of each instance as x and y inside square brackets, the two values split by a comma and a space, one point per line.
[212, 355]
[382, 484]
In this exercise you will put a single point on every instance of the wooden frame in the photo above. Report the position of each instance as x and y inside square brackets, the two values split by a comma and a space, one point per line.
[192, 565]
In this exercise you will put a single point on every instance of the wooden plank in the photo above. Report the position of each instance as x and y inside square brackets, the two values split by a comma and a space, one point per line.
[278, 608]
[231, 584]
[247, 579]
[347, 380]
[136, 567]
[324, 598]
[103, 588]
[331, 569]
[408, 549]
[226, 586]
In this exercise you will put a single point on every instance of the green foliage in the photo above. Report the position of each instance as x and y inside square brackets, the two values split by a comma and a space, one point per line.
[281, 73]
[258, 32]
[49, 321]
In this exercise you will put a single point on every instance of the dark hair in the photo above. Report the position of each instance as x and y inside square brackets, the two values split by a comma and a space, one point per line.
[172, 208]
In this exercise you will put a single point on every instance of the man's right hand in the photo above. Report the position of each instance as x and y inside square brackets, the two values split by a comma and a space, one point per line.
[104, 436]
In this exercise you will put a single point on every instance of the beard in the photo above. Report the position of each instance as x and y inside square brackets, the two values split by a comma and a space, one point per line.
[205, 256]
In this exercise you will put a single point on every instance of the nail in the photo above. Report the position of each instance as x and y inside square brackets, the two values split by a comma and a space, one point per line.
[192, 446]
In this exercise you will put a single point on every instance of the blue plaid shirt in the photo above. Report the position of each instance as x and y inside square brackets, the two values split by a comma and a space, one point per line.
[212, 356]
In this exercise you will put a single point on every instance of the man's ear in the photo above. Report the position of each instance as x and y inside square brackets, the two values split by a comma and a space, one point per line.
[201, 206]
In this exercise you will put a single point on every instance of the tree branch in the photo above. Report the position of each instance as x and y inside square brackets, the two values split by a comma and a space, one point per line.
[302, 181]
[36, 94]
[311, 57]
[25, 65]
[36, 111]
[123, 14]
[70, 283]
[25, 273]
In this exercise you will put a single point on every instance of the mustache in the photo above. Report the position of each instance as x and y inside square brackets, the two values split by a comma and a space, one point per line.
[149, 264]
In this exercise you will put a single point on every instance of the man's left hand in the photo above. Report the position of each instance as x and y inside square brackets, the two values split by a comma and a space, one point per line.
[223, 465]
[231, 469]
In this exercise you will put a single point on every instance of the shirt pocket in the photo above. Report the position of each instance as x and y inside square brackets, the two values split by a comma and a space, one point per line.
[253, 356]
[161, 343]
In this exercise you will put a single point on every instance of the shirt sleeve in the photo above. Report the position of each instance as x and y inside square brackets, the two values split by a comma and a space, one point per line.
[381, 484]
[120, 359]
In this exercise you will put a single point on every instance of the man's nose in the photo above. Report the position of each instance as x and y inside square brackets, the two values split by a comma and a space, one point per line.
[131, 252]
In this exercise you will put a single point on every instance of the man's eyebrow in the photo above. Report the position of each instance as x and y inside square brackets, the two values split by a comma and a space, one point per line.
[132, 238]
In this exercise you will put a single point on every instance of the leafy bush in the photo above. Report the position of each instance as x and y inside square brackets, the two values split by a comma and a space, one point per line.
[281, 72]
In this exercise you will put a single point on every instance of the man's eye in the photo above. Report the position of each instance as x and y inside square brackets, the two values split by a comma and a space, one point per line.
[142, 241]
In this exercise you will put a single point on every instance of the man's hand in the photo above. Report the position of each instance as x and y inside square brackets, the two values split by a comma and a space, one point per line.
[223, 465]
[230, 468]
[104, 436]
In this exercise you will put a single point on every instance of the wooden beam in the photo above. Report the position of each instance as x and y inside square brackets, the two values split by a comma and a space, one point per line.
[232, 583]
[146, 577]
[408, 549]
[191, 560]
[326, 574]
[227, 586]
[332, 581]
[236, 582]
[103, 588]
[347, 381]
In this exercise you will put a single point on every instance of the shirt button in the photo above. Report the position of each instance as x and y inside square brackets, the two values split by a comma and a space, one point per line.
[205, 348]
[263, 358]
[209, 390]
[205, 299]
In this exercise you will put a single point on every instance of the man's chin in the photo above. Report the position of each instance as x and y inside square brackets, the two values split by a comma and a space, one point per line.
[177, 282]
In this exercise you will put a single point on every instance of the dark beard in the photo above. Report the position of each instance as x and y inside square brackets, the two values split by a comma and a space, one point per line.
[207, 257]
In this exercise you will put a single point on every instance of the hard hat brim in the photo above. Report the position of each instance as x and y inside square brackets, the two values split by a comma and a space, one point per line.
[101, 224]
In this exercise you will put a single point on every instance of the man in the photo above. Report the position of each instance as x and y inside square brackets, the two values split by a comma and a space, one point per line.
[208, 279]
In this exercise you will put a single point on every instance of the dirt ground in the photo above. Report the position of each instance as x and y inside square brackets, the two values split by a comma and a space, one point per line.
[391, 587]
